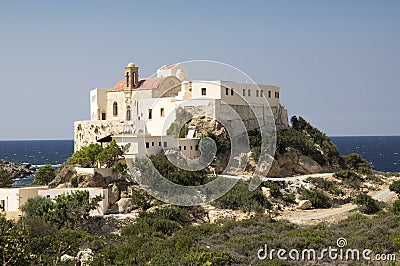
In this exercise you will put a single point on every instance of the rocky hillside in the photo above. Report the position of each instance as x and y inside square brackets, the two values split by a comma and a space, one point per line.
[300, 149]
[303, 149]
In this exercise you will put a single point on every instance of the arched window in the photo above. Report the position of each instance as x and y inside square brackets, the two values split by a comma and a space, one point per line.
[128, 113]
[115, 109]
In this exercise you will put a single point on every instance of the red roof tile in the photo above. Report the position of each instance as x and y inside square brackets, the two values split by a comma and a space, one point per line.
[120, 85]
[150, 83]
[167, 67]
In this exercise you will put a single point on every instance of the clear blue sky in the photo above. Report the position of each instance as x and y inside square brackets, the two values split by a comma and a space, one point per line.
[337, 62]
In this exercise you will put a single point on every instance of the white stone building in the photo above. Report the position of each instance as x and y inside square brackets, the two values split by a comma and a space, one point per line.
[140, 111]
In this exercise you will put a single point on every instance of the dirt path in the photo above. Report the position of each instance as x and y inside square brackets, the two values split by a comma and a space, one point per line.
[332, 214]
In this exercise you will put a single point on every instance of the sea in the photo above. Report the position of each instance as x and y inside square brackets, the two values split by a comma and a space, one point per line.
[383, 152]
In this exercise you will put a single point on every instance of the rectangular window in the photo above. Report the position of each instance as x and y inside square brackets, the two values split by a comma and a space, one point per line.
[269, 94]
[150, 114]
[244, 92]
[256, 93]
[152, 143]
[191, 147]
[184, 147]
[226, 91]
[165, 144]
[231, 91]
[248, 93]
[159, 144]
[162, 112]
[103, 116]
[180, 148]
[261, 93]
[203, 91]
[278, 94]
[147, 145]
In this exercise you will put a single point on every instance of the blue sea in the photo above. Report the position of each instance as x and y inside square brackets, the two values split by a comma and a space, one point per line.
[382, 152]
[37, 153]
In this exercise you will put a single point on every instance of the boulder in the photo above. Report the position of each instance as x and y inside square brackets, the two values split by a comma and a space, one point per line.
[91, 180]
[266, 192]
[113, 194]
[85, 256]
[304, 205]
[125, 205]
[67, 257]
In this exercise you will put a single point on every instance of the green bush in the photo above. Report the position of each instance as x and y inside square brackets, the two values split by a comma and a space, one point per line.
[240, 198]
[317, 198]
[44, 175]
[5, 178]
[326, 185]
[395, 187]
[396, 207]
[350, 178]
[356, 163]
[367, 204]
[68, 211]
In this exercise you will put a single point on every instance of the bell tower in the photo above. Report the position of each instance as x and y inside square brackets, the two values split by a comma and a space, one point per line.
[131, 76]
[131, 82]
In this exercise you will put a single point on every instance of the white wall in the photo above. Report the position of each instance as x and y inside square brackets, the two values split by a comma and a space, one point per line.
[213, 89]
[98, 103]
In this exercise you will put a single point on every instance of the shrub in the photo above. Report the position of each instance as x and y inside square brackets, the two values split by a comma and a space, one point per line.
[356, 163]
[240, 198]
[396, 207]
[367, 204]
[5, 178]
[74, 181]
[206, 258]
[326, 185]
[44, 175]
[69, 211]
[395, 187]
[317, 198]
[350, 178]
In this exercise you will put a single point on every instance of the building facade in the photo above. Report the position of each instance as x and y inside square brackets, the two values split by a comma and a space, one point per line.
[141, 111]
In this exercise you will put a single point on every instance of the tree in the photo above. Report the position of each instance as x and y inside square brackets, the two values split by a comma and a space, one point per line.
[111, 154]
[13, 244]
[95, 155]
[5, 178]
[87, 156]
[44, 175]
[68, 211]
[395, 187]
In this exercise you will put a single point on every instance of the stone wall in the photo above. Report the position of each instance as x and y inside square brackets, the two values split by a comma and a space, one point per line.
[88, 132]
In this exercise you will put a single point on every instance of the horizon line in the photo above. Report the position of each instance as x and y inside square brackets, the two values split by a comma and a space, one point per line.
[61, 139]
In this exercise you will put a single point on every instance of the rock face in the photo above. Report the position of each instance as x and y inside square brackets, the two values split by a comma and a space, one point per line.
[63, 177]
[204, 125]
[293, 162]
[17, 170]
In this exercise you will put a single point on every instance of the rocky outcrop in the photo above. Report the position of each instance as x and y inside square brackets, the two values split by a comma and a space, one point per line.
[17, 170]
[64, 176]
[205, 125]
[293, 162]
